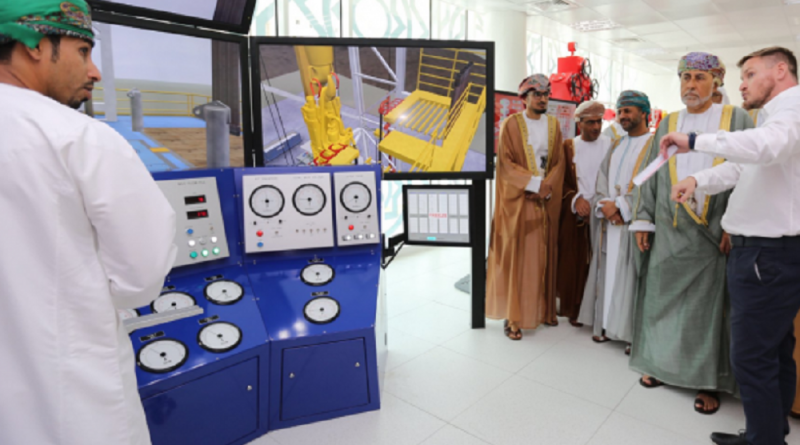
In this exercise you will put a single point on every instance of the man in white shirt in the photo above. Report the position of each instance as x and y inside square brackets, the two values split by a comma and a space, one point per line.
[86, 232]
[584, 155]
[521, 273]
[763, 217]
[610, 289]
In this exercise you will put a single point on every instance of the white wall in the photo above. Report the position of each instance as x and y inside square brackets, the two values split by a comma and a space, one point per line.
[507, 29]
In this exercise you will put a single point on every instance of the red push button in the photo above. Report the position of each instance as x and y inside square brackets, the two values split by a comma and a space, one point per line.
[351, 227]
[260, 233]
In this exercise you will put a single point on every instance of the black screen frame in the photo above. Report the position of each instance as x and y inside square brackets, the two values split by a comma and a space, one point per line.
[460, 187]
[489, 47]
[136, 11]
[244, 63]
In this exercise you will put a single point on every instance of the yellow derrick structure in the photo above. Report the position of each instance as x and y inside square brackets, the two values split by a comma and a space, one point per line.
[331, 142]
[448, 131]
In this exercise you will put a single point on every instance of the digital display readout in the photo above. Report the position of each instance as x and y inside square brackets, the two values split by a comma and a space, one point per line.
[199, 199]
[197, 214]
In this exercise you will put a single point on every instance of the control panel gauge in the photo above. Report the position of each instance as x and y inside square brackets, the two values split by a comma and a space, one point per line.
[356, 197]
[171, 301]
[161, 356]
[321, 310]
[127, 314]
[317, 274]
[309, 199]
[267, 201]
[219, 337]
[224, 292]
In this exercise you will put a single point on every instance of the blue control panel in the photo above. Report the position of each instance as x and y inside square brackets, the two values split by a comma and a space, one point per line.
[268, 318]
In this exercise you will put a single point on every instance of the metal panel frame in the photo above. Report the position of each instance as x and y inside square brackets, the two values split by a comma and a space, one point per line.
[136, 11]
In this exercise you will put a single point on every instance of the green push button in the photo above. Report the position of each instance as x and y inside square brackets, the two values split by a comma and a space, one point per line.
[193, 255]
[216, 251]
[204, 252]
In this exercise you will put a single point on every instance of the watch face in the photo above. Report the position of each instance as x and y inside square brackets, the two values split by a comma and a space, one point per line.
[224, 292]
[162, 356]
[309, 199]
[321, 310]
[219, 337]
[171, 301]
[356, 197]
[267, 201]
[317, 274]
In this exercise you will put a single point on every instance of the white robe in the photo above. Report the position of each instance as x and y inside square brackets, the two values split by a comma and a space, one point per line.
[620, 173]
[588, 157]
[86, 231]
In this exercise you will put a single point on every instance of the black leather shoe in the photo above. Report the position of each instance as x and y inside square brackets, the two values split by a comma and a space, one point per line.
[729, 439]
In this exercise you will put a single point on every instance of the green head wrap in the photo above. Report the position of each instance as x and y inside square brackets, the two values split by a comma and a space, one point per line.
[28, 21]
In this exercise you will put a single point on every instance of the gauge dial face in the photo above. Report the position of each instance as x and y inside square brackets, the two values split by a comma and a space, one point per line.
[321, 310]
[219, 337]
[356, 197]
[161, 356]
[171, 301]
[267, 201]
[127, 314]
[309, 199]
[317, 274]
[224, 292]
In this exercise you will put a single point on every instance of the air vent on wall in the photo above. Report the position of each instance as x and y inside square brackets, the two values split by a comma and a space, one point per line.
[628, 41]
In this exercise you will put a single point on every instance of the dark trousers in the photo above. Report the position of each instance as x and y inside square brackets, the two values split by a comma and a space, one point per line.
[764, 285]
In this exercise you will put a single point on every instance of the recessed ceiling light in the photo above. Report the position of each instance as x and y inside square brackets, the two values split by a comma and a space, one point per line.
[595, 25]
[791, 2]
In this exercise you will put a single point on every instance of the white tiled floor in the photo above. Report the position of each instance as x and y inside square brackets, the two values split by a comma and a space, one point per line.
[447, 384]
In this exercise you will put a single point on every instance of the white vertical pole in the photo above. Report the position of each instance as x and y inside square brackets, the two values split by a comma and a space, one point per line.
[109, 82]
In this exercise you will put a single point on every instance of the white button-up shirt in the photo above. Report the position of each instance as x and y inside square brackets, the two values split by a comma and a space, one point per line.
[764, 166]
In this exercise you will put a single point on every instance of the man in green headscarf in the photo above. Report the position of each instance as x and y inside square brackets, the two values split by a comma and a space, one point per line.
[681, 328]
[87, 232]
[59, 66]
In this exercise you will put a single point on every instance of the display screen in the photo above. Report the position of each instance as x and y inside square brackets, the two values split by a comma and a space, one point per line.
[414, 110]
[199, 199]
[437, 215]
[174, 76]
[197, 214]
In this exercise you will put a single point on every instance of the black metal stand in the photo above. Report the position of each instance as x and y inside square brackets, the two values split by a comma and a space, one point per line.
[478, 231]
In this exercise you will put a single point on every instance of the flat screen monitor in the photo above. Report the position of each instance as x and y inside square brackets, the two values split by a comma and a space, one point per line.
[437, 215]
[176, 77]
[506, 104]
[419, 108]
[231, 15]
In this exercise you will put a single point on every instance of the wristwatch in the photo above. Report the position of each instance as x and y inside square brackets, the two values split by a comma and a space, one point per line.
[692, 139]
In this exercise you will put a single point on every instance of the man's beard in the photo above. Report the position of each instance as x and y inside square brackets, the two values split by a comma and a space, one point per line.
[759, 102]
[632, 124]
[695, 100]
[539, 111]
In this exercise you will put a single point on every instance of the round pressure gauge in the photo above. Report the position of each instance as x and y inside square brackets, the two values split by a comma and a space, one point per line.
[127, 314]
[309, 199]
[317, 274]
[321, 310]
[224, 292]
[171, 301]
[219, 337]
[163, 355]
[266, 201]
[356, 197]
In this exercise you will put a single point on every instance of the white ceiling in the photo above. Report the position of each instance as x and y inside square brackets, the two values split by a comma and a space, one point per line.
[728, 28]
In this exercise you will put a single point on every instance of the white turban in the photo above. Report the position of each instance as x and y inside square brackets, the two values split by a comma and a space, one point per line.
[589, 108]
